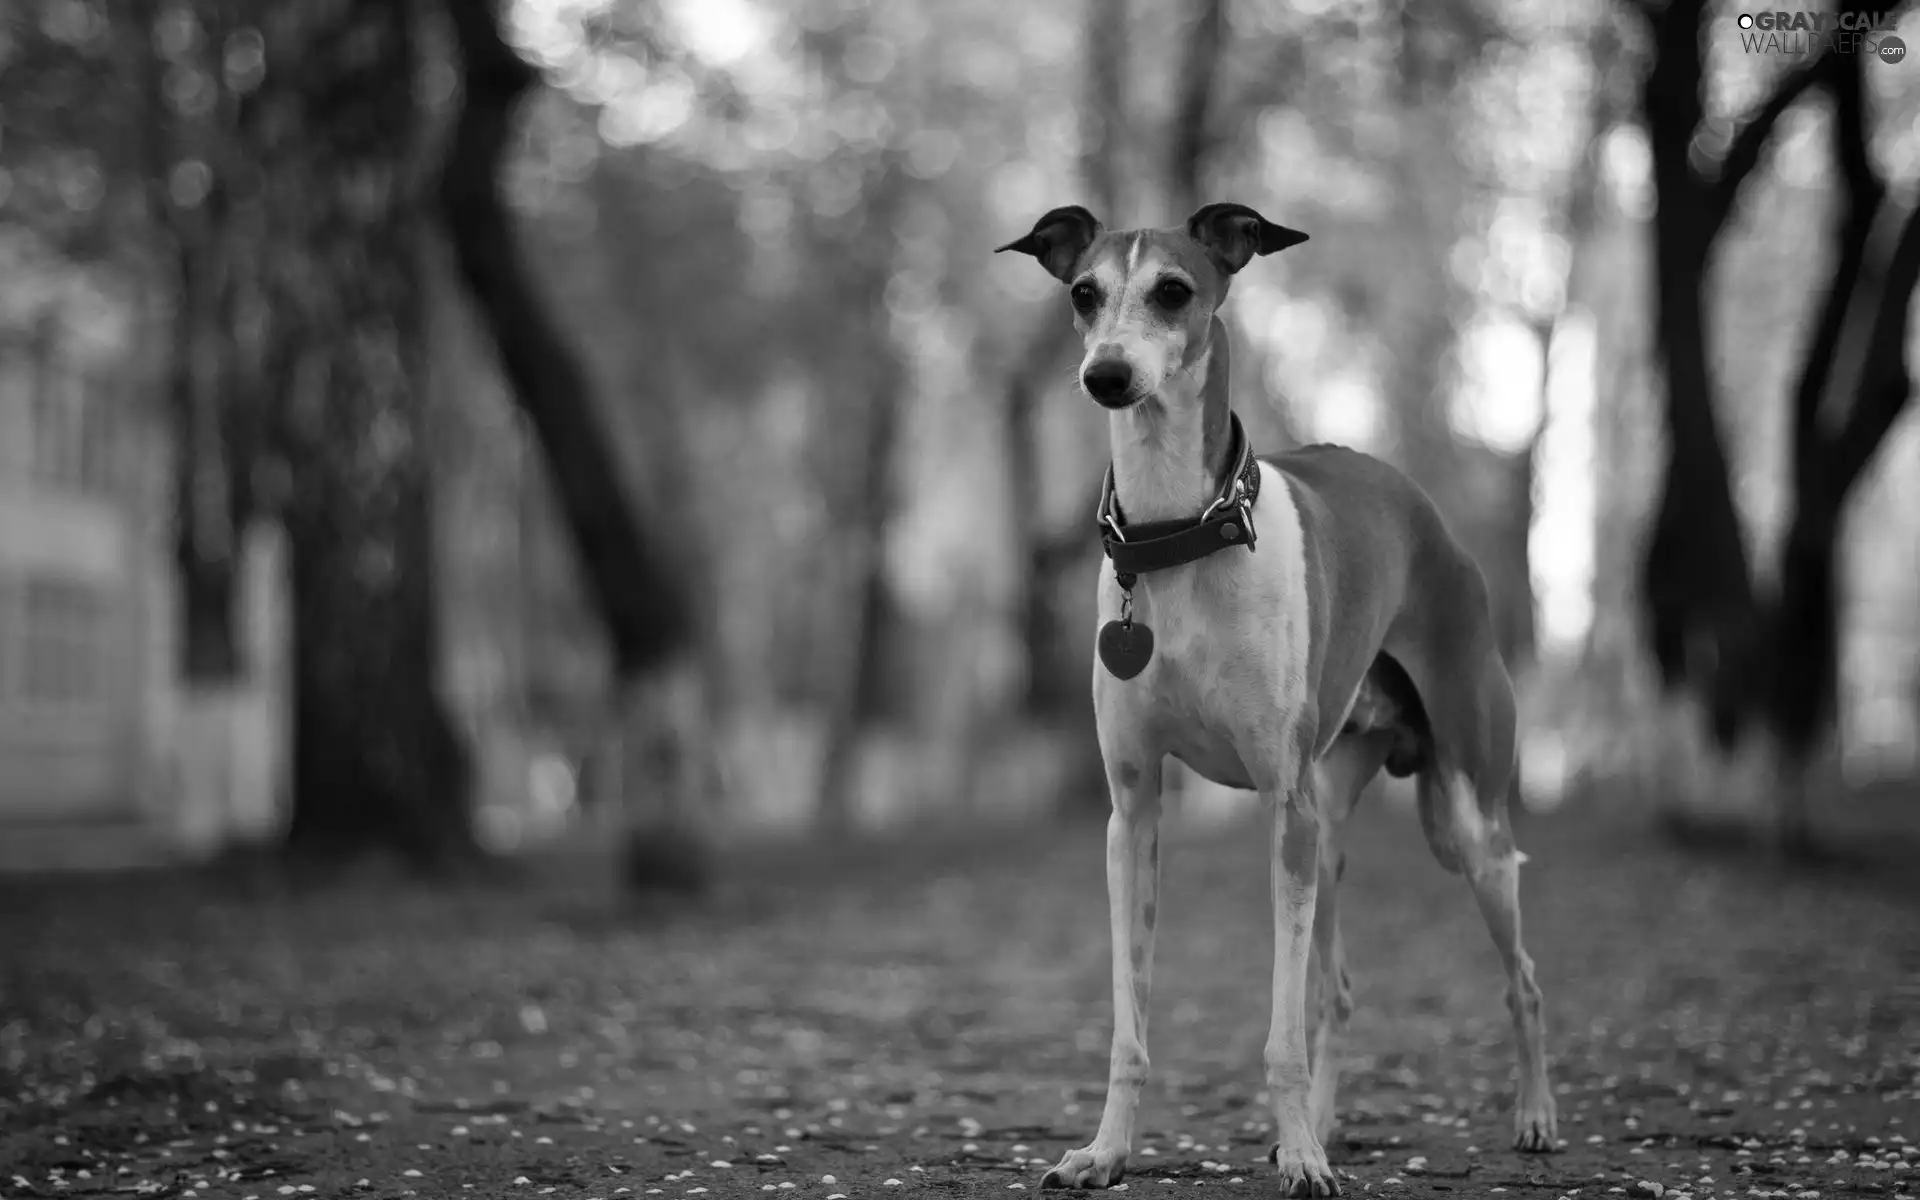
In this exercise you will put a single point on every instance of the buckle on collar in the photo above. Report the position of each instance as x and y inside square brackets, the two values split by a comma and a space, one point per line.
[1235, 495]
[1103, 511]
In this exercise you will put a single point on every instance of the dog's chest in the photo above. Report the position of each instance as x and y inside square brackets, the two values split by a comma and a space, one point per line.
[1229, 668]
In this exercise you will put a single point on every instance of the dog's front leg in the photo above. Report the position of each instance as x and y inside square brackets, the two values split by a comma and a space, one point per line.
[1296, 876]
[1133, 903]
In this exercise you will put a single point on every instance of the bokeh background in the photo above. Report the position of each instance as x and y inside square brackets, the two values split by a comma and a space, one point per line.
[467, 469]
[600, 406]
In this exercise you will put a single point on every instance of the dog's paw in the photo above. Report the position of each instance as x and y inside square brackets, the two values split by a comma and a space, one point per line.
[1303, 1168]
[1094, 1166]
[1536, 1128]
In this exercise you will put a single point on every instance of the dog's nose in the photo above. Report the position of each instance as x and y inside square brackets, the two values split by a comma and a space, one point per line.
[1108, 379]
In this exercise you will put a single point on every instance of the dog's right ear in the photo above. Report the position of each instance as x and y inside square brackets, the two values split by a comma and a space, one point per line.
[1058, 239]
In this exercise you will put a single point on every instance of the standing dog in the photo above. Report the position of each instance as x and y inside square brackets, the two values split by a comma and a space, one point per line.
[1355, 635]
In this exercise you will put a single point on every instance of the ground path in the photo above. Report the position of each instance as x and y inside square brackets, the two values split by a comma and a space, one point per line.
[931, 1016]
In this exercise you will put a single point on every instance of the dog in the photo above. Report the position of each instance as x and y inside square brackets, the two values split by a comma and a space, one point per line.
[1291, 624]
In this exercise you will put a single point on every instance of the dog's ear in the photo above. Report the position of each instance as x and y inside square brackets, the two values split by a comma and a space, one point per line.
[1058, 239]
[1232, 234]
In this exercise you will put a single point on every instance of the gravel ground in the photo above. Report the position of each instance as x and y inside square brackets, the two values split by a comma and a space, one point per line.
[931, 1015]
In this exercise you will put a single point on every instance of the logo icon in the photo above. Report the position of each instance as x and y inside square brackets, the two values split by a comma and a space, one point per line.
[1746, 21]
[1892, 49]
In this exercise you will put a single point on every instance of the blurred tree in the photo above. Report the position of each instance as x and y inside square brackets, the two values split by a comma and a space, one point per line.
[1765, 659]
[1056, 687]
[201, 62]
[860, 456]
[332, 196]
[288, 214]
[72, 97]
[640, 597]
[1192, 135]
[641, 594]
[111, 118]
[1585, 219]
[286, 204]
[1485, 491]
[276, 158]
[1194, 120]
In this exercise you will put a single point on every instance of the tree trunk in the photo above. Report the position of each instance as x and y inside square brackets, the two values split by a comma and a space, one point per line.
[856, 704]
[630, 580]
[1802, 651]
[376, 761]
[656, 756]
[1420, 305]
[1803, 698]
[1496, 535]
[1696, 583]
[186, 155]
[1192, 142]
[1776, 662]
[861, 498]
[1055, 697]
[1189, 149]
[1055, 684]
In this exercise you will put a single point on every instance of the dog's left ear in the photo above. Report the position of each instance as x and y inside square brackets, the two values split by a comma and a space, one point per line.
[1232, 234]
[1058, 239]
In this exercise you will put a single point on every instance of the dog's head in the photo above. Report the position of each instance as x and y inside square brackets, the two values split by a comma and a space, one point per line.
[1143, 299]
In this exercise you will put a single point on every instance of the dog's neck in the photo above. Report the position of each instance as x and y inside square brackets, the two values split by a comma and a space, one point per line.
[1170, 450]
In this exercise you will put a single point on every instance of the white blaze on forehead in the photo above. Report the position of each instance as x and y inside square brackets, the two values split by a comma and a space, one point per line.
[1147, 263]
[1125, 271]
[1109, 273]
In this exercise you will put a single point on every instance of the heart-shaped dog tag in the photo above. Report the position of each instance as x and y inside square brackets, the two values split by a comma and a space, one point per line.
[1125, 648]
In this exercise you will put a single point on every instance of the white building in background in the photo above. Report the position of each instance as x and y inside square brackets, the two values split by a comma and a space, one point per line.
[104, 759]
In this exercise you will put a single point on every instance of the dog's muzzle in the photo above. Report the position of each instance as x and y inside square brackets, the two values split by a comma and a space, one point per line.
[1109, 382]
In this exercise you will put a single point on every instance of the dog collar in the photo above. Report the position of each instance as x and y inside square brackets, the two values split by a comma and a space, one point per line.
[1158, 545]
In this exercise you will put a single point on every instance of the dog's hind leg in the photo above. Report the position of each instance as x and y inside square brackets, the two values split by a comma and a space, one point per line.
[1476, 842]
[1133, 902]
[1341, 775]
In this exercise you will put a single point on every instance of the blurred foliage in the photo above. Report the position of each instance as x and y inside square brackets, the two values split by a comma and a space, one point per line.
[73, 85]
[768, 227]
[724, 169]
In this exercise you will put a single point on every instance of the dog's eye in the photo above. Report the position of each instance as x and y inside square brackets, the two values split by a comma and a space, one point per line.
[1084, 296]
[1172, 294]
